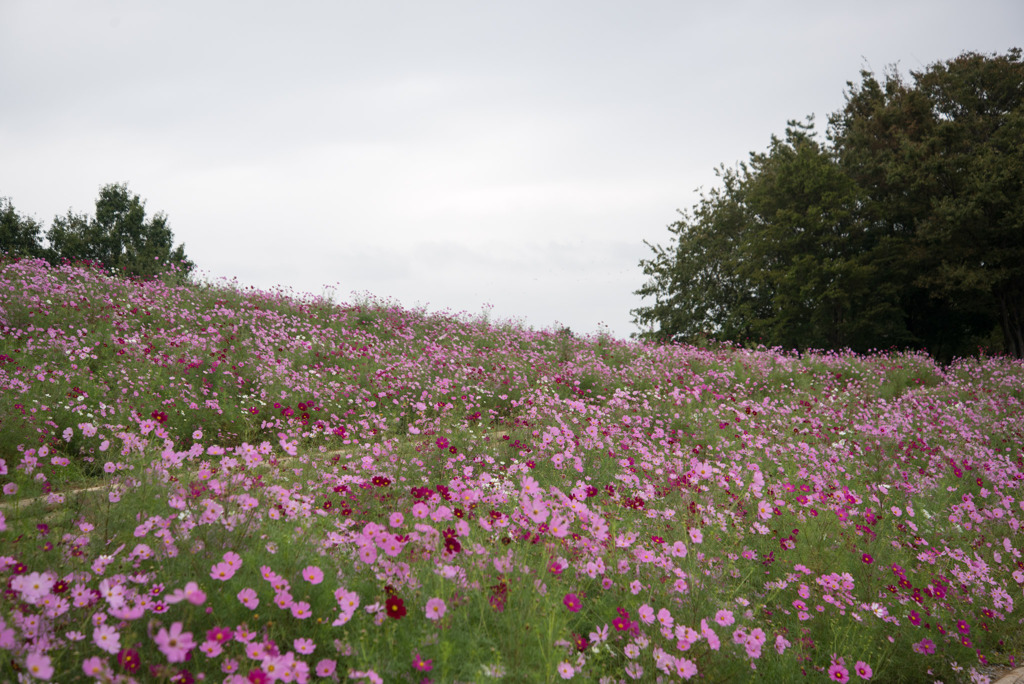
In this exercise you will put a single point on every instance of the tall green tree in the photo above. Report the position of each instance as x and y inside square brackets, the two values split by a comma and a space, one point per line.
[778, 255]
[119, 236]
[941, 159]
[698, 292]
[19, 235]
[903, 228]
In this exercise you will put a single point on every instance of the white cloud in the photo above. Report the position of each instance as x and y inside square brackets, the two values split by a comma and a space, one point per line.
[454, 153]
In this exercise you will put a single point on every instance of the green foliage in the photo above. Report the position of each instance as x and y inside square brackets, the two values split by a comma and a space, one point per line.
[19, 235]
[119, 237]
[904, 229]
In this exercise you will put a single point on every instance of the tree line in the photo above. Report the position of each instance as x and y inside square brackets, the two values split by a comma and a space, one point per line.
[902, 228]
[118, 237]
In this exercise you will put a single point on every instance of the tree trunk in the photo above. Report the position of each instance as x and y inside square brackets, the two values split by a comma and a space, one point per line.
[1012, 322]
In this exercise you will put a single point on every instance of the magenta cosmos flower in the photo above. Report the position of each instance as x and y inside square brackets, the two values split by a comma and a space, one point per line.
[572, 602]
[838, 673]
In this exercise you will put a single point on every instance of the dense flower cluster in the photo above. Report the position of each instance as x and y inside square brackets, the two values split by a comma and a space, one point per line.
[246, 486]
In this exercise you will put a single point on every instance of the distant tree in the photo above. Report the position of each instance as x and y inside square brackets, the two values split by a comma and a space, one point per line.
[941, 161]
[904, 228]
[119, 236]
[19, 235]
[778, 255]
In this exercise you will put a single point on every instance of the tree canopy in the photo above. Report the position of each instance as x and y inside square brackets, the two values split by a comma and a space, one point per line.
[118, 237]
[903, 228]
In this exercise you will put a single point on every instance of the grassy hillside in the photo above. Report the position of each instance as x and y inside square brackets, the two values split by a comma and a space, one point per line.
[223, 483]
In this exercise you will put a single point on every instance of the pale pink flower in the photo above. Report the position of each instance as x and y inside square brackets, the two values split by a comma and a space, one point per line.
[313, 574]
[685, 668]
[646, 614]
[93, 667]
[192, 593]
[247, 597]
[436, 609]
[38, 665]
[175, 644]
[222, 571]
[107, 638]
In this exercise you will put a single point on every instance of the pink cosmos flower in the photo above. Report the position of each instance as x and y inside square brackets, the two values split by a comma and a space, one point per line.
[696, 536]
[220, 635]
[565, 670]
[646, 614]
[107, 638]
[838, 673]
[247, 597]
[348, 601]
[191, 592]
[32, 586]
[313, 574]
[304, 646]
[368, 553]
[93, 667]
[222, 571]
[418, 663]
[572, 602]
[436, 609]
[724, 618]
[233, 559]
[38, 665]
[685, 668]
[174, 644]
[925, 646]
[714, 643]
[326, 667]
[301, 610]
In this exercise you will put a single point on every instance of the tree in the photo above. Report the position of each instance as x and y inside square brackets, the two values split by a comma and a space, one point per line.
[942, 162]
[904, 228]
[778, 255]
[119, 236]
[698, 292]
[19, 235]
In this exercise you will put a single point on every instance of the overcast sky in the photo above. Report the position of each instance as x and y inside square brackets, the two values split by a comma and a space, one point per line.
[452, 155]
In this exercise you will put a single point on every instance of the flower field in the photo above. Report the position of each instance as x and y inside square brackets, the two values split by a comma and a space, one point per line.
[208, 482]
